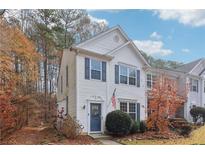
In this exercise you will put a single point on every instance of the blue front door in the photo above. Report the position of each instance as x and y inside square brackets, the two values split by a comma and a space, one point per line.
[95, 117]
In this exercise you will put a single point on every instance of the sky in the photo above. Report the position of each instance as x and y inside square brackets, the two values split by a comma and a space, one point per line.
[177, 35]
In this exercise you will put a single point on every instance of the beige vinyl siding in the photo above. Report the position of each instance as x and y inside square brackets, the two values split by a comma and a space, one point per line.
[68, 59]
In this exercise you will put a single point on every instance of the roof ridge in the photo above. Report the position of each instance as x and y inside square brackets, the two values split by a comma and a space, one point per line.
[191, 62]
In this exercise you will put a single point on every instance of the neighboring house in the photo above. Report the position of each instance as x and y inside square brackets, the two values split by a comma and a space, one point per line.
[92, 70]
[192, 74]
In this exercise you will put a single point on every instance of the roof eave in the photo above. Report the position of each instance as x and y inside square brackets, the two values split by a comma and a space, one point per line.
[90, 53]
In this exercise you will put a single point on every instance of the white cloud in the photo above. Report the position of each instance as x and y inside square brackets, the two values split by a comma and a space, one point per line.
[195, 18]
[155, 35]
[153, 47]
[98, 20]
[185, 50]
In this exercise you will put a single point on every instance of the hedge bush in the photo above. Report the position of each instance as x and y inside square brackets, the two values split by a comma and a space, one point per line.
[143, 126]
[118, 123]
[140, 127]
[197, 112]
[135, 127]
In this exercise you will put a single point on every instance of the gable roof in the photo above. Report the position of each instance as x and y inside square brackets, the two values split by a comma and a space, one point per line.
[104, 33]
[187, 68]
[111, 53]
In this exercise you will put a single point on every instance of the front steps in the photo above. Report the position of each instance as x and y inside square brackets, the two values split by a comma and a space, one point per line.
[100, 136]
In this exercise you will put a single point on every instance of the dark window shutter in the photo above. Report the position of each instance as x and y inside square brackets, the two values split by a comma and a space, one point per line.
[87, 68]
[138, 78]
[103, 71]
[66, 105]
[117, 74]
[138, 111]
[197, 86]
[67, 76]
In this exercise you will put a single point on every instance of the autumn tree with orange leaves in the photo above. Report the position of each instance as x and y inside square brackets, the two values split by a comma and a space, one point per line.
[164, 101]
[18, 69]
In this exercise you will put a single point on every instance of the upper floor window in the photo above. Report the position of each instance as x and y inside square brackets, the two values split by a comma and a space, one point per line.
[132, 76]
[127, 75]
[150, 80]
[123, 74]
[96, 69]
[194, 85]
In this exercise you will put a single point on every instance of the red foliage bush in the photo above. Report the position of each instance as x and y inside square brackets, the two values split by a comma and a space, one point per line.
[7, 119]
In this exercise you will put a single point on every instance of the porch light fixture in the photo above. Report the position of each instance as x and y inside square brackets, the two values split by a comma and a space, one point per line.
[83, 107]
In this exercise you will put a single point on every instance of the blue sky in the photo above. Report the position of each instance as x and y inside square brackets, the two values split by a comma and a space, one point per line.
[167, 34]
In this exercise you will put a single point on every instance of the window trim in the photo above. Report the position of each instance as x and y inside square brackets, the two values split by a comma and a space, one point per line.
[128, 108]
[152, 81]
[95, 69]
[128, 74]
[192, 85]
[149, 80]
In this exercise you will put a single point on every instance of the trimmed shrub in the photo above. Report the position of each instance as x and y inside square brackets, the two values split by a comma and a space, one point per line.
[135, 127]
[118, 123]
[197, 112]
[143, 126]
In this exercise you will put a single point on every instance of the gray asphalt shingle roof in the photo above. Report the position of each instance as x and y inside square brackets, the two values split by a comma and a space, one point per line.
[189, 66]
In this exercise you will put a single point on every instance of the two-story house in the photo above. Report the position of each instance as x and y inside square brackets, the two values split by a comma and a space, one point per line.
[110, 63]
[90, 73]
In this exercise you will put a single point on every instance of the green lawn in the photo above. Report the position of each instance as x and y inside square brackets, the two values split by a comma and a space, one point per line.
[196, 137]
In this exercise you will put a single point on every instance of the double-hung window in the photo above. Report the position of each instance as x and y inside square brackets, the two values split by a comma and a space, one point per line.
[129, 108]
[150, 80]
[123, 74]
[96, 69]
[132, 76]
[127, 75]
[194, 85]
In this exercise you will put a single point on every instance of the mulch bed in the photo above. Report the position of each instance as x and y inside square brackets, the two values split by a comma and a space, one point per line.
[48, 136]
[150, 135]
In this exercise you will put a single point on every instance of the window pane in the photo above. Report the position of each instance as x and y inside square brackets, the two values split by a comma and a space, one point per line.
[123, 79]
[149, 77]
[132, 107]
[194, 88]
[149, 84]
[123, 106]
[123, 70]
[95, 65]
[133, 116]
[95, 74]
[194, 85]
[132, 81]
[132, 72]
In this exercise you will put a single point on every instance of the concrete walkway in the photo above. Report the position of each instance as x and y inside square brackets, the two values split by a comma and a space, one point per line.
[104, 139]
[108, 142]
